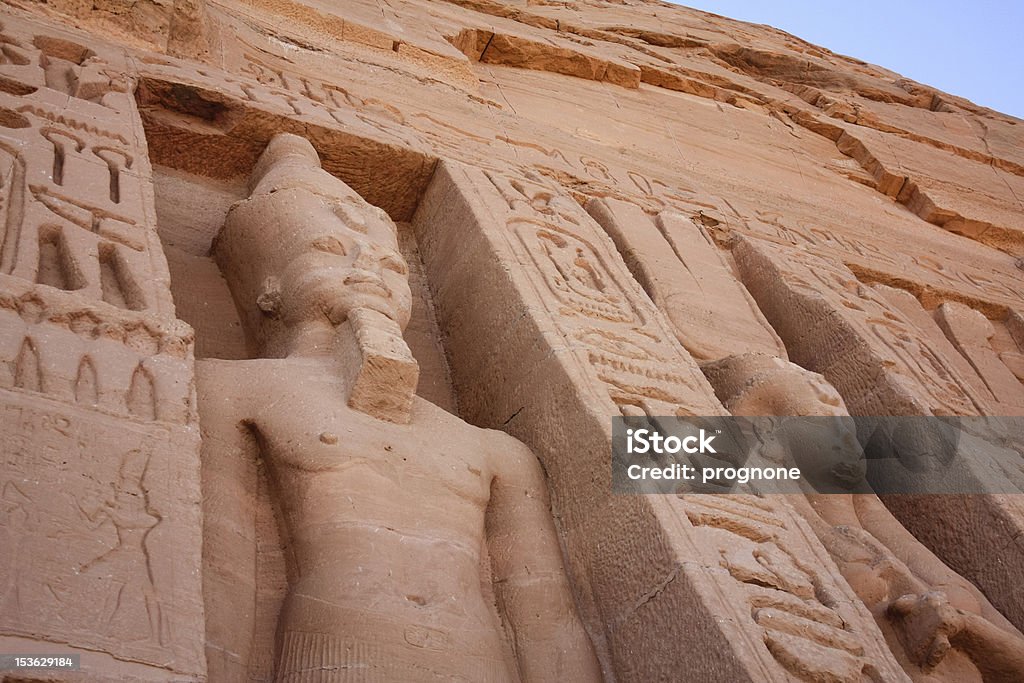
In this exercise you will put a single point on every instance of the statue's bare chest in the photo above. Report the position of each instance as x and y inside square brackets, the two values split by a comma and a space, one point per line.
[310, 435]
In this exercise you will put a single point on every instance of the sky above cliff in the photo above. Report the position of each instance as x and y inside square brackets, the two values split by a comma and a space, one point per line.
[971, 49]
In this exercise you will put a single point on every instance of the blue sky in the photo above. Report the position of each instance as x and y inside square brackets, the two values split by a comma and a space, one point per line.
[971, 49]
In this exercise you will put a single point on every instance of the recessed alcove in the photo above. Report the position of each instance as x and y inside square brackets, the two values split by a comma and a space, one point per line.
[190, 210]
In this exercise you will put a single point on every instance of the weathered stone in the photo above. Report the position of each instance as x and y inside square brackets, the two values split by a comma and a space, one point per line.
[390, 232]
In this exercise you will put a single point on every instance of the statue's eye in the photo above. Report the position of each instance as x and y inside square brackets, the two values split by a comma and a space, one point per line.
[350, 216]
[331, 245]
[395, 264]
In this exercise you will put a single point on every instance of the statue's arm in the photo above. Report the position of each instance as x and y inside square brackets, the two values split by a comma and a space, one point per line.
[529, 577]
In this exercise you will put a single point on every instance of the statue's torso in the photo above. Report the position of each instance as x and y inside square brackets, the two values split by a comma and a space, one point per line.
[383, 523]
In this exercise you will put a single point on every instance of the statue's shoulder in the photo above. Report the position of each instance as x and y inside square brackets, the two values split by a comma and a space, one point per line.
[241, 384]
[504, 452]
[511, 457]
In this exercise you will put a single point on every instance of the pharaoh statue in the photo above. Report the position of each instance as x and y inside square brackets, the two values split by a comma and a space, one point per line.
[398, 519]
[939, 618]
[935, 621]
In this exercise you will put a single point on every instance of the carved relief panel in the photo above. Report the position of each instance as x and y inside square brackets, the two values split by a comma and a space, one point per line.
[866, 342]
[596, 304]
[548, 272]
[75, 198]
[99, 481]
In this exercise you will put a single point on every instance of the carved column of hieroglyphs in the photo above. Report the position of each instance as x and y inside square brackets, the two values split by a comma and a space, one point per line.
[883, 363]
[682, 271]
[99, 475]
[540, 311]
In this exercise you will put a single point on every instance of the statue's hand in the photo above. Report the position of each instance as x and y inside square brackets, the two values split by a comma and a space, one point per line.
[926, 623]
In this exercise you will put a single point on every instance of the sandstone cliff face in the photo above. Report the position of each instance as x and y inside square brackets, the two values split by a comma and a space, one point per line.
[276, 275]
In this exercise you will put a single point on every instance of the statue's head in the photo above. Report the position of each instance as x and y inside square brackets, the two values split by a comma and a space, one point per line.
[305, 249]
[826, 450]
[917, 444]
[812, 428]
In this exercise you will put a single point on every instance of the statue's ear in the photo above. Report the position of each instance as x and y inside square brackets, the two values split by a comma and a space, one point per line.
[269, 300]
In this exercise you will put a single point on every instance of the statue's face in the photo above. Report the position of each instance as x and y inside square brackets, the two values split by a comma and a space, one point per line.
[826, 450]
[344, 256]
[919, 444]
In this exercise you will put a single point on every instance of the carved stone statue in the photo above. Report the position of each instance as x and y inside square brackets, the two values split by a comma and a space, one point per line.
[940, 618]
[936, 622]
[398, 519]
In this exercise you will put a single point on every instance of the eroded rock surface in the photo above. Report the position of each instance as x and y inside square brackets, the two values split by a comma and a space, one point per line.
[315, 315]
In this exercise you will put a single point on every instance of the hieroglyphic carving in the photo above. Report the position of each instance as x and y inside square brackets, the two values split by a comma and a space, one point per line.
[334, 99]
[27, 373]
[117, 284]
[87, 389]
[925, 323]
[314, 96]
[99, 477]
[89, 561]
[937, 275]
[808, 628]
[52, 149]
[863, 345]
[883, 364]
[58, 266]
[131, 367]
[595, 303]
[278, 90]
[75, 176]
[607, 349]
[36, 57]
[129, 509]
[72, 197]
